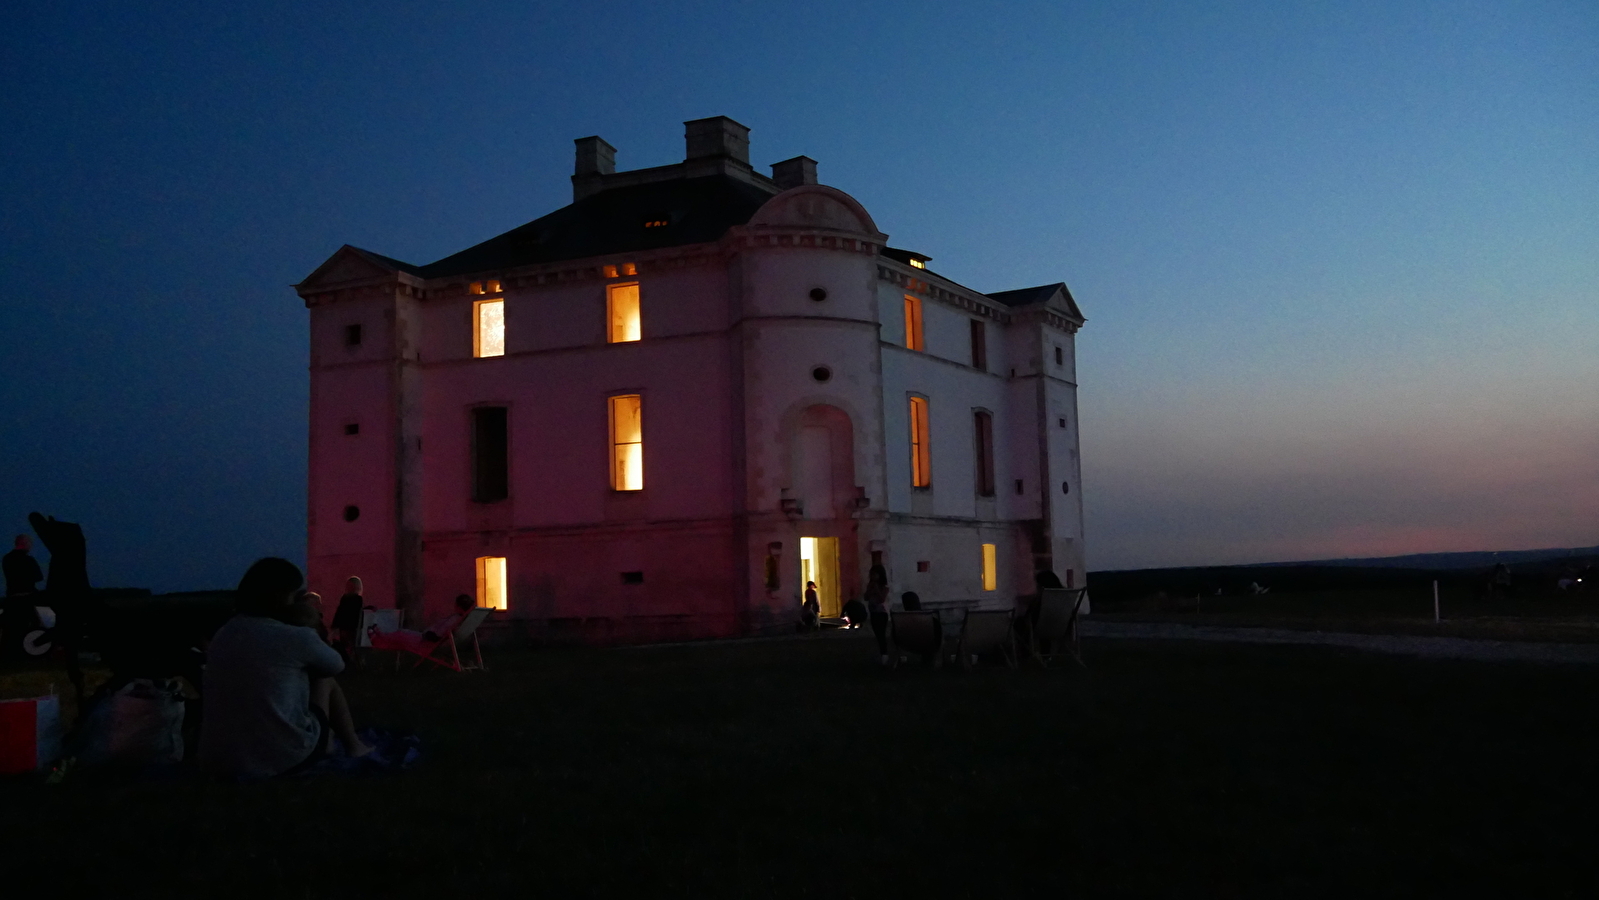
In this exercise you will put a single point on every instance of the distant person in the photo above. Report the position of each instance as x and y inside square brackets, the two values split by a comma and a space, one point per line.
[811, 609]
[347, 617]
[419, 641]
[877, 607]
[271, 703]
[67, 591]
[854, 613]
[22, 574]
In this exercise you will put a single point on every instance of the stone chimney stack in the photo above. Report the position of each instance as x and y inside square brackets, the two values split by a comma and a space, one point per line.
[794, 172]
[595, 156]
[717, 136]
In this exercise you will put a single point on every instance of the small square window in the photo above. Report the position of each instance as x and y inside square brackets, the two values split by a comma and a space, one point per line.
[476, 287]
[1063, 423]
[632, 577]
[493, 287]
[922, 565]
[352, 428]
[352, 335]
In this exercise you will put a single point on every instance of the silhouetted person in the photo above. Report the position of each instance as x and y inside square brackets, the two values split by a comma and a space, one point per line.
[418, 641]
[67, 591]
[347, 617]
[877, 607]
[811, 609]
[271, 703]
[22, 594]
[1499, 581]
[1030, 605]
[911, 601]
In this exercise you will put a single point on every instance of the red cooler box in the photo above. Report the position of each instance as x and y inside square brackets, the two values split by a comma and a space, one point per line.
[30, 734]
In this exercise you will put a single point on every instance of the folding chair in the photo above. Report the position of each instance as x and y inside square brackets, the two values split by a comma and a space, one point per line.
[453, 642]
[917, 632]
[1056, 625]
[987, 630]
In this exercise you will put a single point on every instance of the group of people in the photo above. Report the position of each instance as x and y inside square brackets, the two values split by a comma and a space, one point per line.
[20, 616]
[872, 607]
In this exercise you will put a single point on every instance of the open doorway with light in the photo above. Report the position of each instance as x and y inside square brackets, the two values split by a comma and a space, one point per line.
[819, 563]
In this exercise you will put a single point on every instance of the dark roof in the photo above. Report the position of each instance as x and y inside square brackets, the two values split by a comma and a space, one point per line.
[695, 210]
[904, 256]
[1029, 296]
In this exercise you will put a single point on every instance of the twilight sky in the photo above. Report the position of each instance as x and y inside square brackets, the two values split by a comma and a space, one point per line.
[1340, 261]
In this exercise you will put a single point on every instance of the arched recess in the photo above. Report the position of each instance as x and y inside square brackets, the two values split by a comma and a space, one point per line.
[822, 462]
[817, 206]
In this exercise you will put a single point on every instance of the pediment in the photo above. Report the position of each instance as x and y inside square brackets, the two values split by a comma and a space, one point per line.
[347, 265]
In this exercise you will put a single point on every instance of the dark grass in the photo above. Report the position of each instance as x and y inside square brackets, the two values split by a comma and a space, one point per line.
[798, 768]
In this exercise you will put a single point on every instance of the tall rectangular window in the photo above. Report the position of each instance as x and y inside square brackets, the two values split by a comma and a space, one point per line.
[491, 586]
[627, 443]
[488, 328]
[983, 426]
[491, 456]
[990, 567]
[979, 345]
[621, 303]
[913, 322]
[921, 453]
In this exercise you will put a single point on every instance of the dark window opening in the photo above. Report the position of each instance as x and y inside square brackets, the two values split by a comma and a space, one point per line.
[822, 373]
[1019, 488]
[818, 294]
[632, 577]
[352, 335]
[1063, 422]
[1065, 488]
[923, 565]
[490, 454]
[352, 428]
[979, 346]
[983, 426]
[1060, 357]
[351, 513]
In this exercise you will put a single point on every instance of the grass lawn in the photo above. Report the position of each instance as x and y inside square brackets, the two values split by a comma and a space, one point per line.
[799, 768]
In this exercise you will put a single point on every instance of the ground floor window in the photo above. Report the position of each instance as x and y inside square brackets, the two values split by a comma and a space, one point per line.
[491, 592]
[990, 567]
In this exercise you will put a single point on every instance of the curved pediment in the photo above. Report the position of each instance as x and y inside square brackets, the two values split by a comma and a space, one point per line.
[817, 206]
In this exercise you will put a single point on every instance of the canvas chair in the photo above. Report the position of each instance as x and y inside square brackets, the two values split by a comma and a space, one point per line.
[446, 650]
[917, 632]
[985, 631]
[1056, 625]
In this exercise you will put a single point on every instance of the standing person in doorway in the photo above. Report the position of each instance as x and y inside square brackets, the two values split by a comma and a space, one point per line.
[877, 606]
[347, 618]
[811, 609]
[23, 575]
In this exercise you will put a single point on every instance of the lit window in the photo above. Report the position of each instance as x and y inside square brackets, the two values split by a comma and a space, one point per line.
[990, 567]
[608, 271]
[918, 264]
[491, 582]
[629, 269]
[921, 457]
[622, 309]
[627, 443]
[913, 322]
[983, 425]
[475, 287]
[494, 287]
[488, 332]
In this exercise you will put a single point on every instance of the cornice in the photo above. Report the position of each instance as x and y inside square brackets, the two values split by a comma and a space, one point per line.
[915, 285]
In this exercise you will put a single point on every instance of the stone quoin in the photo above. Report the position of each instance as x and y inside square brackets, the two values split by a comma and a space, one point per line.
[655, 413]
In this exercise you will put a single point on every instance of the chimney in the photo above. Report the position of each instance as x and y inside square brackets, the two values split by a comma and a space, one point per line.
[717, 136]
[595, 157]
[794, 172]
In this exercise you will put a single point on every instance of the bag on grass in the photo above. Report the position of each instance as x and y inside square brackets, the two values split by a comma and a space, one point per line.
[141, 724]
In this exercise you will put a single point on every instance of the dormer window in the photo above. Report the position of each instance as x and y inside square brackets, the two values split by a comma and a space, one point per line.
[657, 223]
[917, 264]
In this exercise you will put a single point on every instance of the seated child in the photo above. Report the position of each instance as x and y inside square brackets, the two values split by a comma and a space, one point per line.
[418, 641]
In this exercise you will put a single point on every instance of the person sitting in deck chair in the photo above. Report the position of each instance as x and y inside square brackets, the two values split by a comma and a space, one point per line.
[418, 641]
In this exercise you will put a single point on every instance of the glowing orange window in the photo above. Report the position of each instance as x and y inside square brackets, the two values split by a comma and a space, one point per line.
[913, 322]
[921, 455]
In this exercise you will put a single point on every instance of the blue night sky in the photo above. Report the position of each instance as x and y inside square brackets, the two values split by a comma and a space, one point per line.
[1340, 261]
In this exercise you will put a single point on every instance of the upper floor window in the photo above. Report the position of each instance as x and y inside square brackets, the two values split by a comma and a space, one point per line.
[488, 328]
[352, 335]
[913, 322]
[627, 442]
[491, 458]
[983, 426]
[990, 567]
[979, 345]
[1060, 357]
[921, 451]
[621, 302]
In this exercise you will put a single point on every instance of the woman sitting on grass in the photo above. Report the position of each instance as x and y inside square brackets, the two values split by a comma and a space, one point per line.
[420, 641]
[271, 703]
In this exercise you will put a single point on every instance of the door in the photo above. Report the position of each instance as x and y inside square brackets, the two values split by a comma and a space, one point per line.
[819, 563]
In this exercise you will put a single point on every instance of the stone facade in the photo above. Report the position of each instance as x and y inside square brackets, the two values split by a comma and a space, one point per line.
[775, 384]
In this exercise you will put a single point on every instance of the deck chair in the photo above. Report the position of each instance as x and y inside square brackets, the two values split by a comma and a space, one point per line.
[917, 632]
[1057, 625]
[446, 651]
[985, 631]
